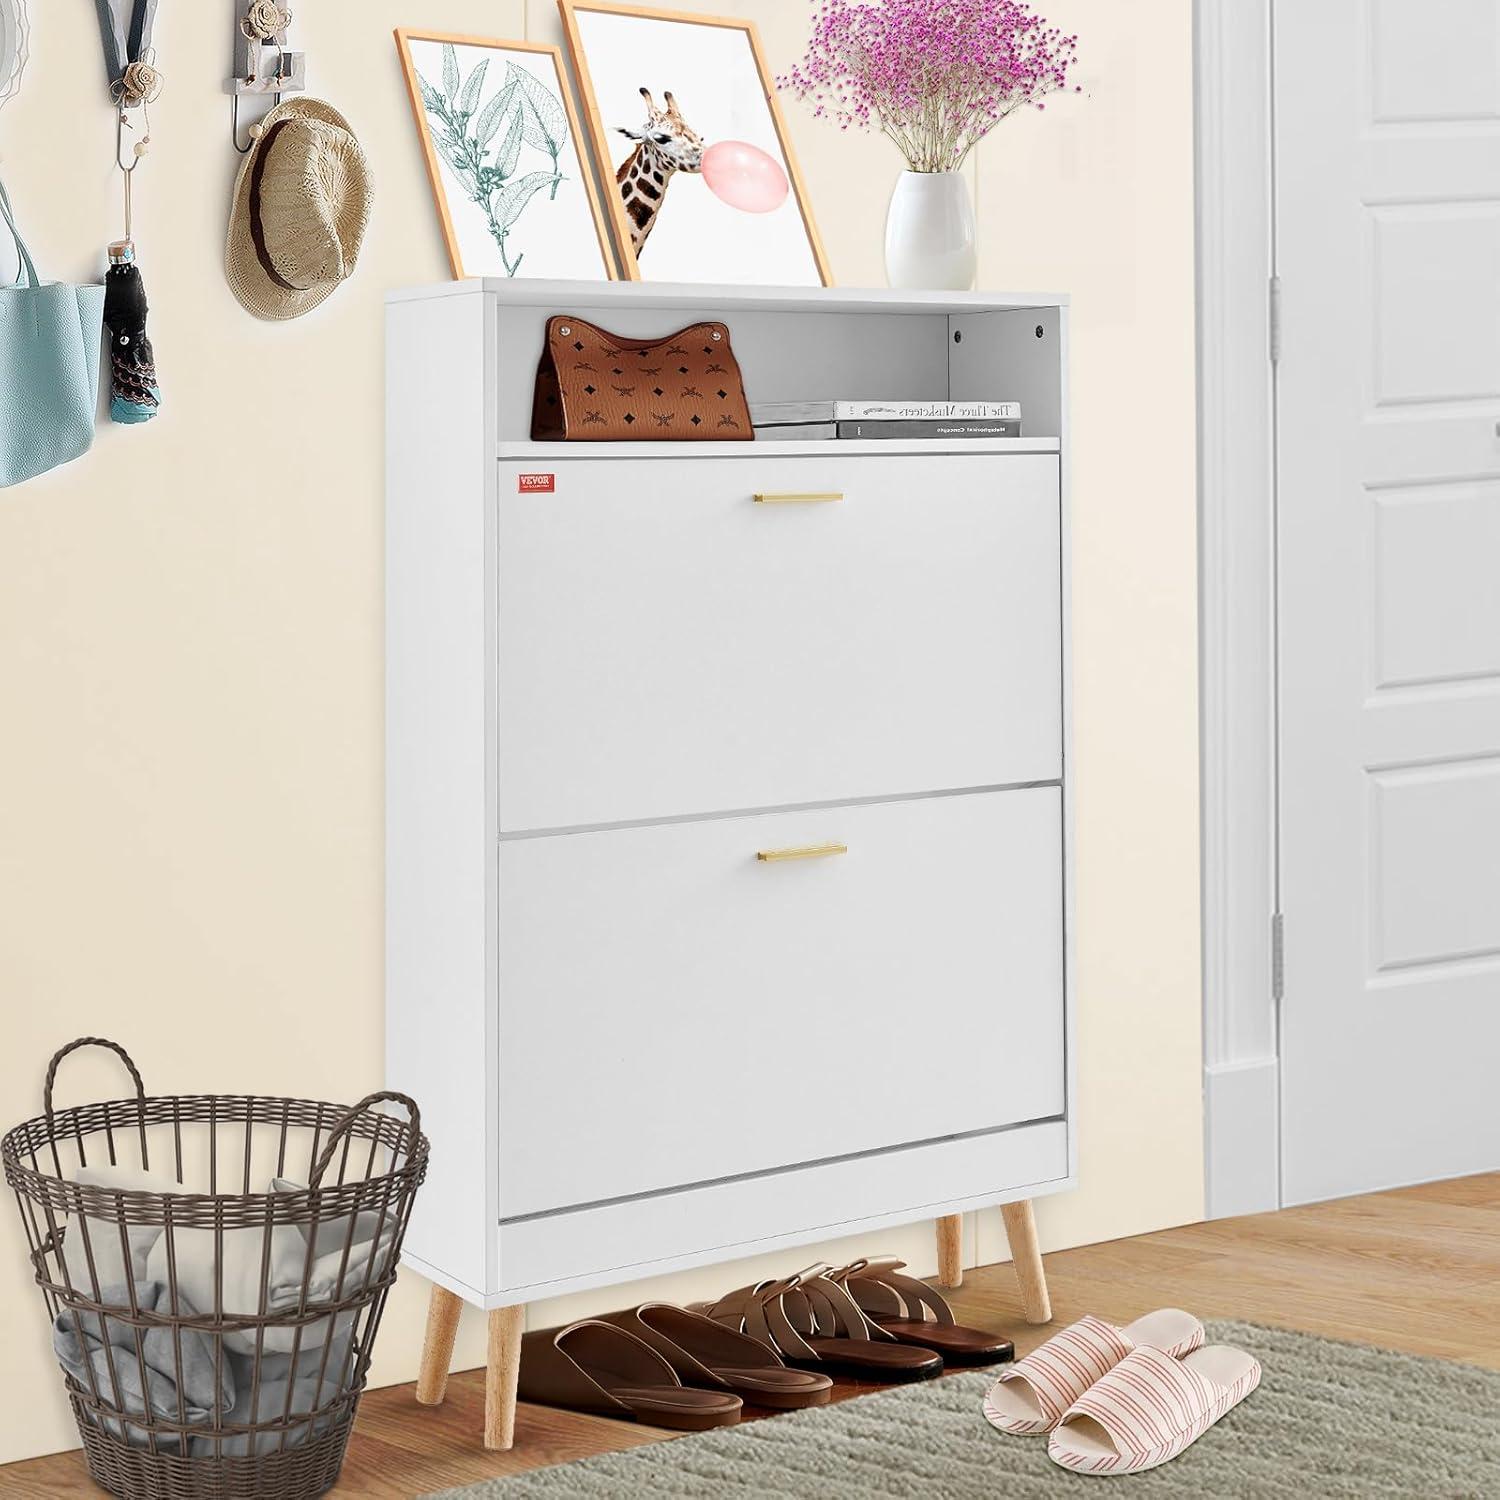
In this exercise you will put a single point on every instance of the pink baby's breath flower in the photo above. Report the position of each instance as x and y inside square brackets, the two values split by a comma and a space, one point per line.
[934, 75]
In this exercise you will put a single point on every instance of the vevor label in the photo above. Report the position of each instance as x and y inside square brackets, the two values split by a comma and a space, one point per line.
[536, 484]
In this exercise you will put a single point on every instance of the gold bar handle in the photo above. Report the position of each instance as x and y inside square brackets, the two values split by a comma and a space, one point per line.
[797, 497]
[804, 851]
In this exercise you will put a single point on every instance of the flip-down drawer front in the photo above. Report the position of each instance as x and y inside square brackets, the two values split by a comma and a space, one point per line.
[676, 1010]
[671, 644]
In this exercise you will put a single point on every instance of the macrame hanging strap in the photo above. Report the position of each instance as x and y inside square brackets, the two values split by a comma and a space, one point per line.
[125, 26]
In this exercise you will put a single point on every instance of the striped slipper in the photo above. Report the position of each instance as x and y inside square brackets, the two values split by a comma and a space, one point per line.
[1033, 1394]
[1150, 1407]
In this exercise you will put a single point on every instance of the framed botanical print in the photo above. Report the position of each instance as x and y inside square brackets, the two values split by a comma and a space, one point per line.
[696, 163]
[500, 135]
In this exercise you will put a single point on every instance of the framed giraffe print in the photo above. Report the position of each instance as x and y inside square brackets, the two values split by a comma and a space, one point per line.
[696, 166]
[514, 192]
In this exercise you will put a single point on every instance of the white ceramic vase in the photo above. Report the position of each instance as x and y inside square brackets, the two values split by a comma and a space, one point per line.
[929, 233]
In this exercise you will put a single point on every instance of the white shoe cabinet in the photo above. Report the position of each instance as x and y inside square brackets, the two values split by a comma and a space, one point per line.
[727, 808]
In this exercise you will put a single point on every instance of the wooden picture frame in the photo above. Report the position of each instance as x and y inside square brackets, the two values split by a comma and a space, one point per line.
[460, 234]
[604, 130]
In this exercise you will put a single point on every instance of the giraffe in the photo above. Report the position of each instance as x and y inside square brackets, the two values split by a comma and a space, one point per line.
[665, 144]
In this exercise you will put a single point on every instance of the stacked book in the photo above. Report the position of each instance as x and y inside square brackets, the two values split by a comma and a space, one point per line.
[784, 420]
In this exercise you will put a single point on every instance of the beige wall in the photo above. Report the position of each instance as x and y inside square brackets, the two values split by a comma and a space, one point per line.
[191, 634]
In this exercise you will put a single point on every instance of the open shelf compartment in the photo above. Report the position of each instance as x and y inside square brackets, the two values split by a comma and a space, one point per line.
[797, 344]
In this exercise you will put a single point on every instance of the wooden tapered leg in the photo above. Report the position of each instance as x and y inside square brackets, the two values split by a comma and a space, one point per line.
[1020, 1230]
[501, 1370]
[950, 1235]
[437, 1347]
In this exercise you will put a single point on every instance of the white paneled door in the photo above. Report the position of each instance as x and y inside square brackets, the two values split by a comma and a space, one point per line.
[1388, 253]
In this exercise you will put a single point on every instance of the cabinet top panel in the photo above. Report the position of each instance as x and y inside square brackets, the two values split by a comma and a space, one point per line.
[653, 296]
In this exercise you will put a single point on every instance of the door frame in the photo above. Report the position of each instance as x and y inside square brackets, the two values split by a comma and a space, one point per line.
[1234, 162]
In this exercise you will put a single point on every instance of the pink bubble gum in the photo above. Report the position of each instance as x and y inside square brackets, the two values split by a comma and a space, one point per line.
[744, 177]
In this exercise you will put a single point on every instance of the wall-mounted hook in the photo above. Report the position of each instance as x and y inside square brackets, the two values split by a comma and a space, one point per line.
[137, 151]
[263, 29]
[122, 124]
[234, 125]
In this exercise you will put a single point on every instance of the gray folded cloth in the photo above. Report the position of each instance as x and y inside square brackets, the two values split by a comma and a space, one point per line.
[241, 1270]
[274, 1366]
[278, 1374]
[242, 1395]
[92, 1249]
[181, 1383]
[333, 1233]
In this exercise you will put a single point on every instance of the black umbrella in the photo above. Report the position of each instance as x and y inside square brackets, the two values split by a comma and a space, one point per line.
[135, 395]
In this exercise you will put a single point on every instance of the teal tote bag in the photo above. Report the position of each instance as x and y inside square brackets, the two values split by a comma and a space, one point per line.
[50, 351]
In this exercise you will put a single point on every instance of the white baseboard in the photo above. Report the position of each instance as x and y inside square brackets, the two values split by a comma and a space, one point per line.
[1242, 1139]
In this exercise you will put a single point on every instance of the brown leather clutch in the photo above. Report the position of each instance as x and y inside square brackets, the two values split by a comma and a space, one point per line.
[594, 387]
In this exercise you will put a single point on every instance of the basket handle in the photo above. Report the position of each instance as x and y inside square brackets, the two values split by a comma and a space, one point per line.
[345, 1120]
[135, 1074]
[91, 1041]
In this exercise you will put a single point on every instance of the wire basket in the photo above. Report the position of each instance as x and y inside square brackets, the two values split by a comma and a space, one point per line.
[214, 1314]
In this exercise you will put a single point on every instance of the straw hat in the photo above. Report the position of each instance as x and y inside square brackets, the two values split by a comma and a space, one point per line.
[301, 204]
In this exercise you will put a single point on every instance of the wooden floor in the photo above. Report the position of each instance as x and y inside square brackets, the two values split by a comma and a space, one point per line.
[1417, 1269]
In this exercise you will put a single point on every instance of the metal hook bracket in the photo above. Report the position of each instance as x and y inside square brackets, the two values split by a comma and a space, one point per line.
[122, 124]
[262, 69]
[234, 124]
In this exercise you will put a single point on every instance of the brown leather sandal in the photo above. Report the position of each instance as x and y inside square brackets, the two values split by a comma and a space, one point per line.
[812, 1321]
[913, 1313]
[706, 1353]
[596, 1367]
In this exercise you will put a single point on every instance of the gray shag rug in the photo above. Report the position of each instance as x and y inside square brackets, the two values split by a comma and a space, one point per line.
[1336, 1420]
